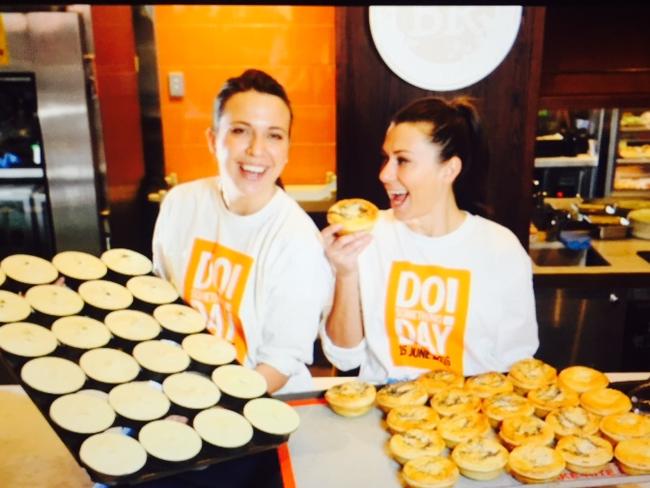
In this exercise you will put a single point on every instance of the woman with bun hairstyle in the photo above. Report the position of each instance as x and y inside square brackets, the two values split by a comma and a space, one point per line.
[435, 284]
[238, 248]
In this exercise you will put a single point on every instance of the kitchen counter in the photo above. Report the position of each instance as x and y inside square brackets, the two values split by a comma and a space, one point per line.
[621, 255]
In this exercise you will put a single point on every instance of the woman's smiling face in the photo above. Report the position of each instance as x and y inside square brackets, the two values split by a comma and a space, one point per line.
[413, 175]
[251, 142]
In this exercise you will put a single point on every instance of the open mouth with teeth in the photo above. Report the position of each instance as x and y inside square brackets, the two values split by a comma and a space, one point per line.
[252, 171]
[397, 197]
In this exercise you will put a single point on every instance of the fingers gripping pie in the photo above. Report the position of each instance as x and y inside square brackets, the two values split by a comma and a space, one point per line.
[355, 214]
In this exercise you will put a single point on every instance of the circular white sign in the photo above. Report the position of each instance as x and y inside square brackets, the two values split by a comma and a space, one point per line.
[443, 48]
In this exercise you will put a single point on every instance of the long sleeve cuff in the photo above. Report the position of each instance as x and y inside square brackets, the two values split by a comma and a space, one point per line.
[344, 358]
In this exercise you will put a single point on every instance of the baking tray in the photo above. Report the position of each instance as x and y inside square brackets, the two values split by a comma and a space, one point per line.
[330, 450]
[154, 468]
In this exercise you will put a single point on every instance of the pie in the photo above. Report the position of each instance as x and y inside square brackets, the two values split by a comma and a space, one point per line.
[530, 374]
[534, 463]
[455, 400]
[161, 356]
[170, 440]
[113, 454]
[271, 416]
[351, 399]
[82, 412]
[127, 262]
[401, 419]
[151, 289]
[108, 365]
[401, 394]
[132, 325]
[623, 426]
[26, 339]
[605, 401]
[191, 390]
[587, 454]
[633, 456]
[139, 400]
[209, 349]
[239, 381]
[179, 318]
[13, 307]
[525, 429]
[223, 428]
[81, 332]
[551, 397]
[488, 384]
[354, 214]
[430, 472]
[415, 443]
[28, 269]
[53, 375]
[440, 379]
[572, 421]
[79, 265]
[459, 428]
[480, 458]
[581, 379]
[53, 300]
[503, 405]
[105, 295]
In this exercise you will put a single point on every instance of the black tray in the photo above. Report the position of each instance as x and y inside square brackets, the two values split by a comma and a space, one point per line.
[154, 468]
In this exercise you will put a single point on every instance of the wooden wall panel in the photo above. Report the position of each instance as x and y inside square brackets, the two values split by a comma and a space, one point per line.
[368, 93]
[596, 56]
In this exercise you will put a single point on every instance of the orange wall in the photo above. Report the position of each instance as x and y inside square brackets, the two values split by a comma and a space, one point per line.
[117, 89]
[212, 43]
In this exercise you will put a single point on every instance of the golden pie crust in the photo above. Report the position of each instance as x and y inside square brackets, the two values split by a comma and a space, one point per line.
[587, 454]
[581, 379]
[401, 394]
[480, 458]
[415, 443]
[463, 427]
[551, 397]
[503, 405]
[605, 401]
[525, 429]
[530, 374]
[430, 472]
[440, 379]
[487, 384]
[401, 419]
[455, 400]
[572, 421]
[533, 463]
[624, 426]
[355, 214]
[633, 456]
[351, 399]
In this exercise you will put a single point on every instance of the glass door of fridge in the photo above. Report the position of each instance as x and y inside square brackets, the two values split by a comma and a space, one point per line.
[629, 168]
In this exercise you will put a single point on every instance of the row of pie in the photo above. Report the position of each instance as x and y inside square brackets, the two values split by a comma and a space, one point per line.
[532, 422]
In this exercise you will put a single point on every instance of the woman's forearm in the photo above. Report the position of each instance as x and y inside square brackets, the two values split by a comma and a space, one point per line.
[345, 323]
[274, 379]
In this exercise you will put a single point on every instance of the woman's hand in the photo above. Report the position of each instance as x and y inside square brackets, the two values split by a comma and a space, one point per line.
[342, 251]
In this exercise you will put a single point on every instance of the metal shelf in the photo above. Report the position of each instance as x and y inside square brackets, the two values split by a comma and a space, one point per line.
[633, 160]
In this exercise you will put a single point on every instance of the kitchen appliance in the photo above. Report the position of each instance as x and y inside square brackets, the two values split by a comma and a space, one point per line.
[48, 150]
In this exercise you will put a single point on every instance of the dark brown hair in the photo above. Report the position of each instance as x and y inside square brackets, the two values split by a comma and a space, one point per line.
[251, 79]
[456, 128]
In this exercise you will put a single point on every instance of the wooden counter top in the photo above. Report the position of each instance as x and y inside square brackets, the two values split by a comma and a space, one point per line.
[621, 255]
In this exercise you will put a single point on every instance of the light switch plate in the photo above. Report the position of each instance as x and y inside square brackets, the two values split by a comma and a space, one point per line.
[176, 81]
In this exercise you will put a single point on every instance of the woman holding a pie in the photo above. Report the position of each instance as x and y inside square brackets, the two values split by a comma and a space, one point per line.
[434, 284]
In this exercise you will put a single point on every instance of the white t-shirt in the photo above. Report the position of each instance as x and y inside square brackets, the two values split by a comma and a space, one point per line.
[261, 280]
[463, 300]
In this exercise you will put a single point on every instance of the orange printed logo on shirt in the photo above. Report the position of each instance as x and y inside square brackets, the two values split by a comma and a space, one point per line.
[214, 285]
[426, 312]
